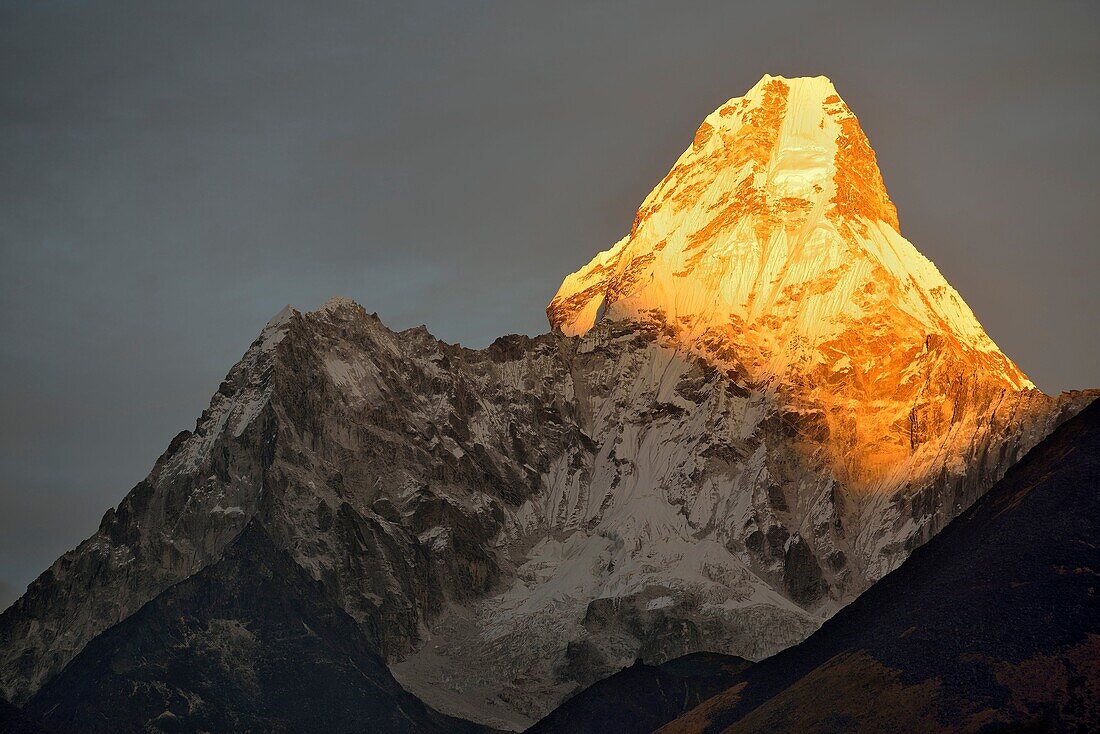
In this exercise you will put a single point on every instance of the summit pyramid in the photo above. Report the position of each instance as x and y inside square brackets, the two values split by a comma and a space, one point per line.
[772, 248]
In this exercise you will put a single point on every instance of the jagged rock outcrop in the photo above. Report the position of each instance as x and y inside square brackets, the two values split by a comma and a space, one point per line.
[706, 458]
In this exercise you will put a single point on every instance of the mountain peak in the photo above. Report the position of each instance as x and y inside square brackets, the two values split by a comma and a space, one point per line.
[775, 219]
[804, 146]
[773, 250]
[338, 303]
[783, 166]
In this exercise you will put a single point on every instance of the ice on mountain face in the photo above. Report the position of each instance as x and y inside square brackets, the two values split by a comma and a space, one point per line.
[284, 315]
[275, 329]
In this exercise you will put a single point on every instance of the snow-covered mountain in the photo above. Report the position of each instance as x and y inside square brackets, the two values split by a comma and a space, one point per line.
[772, 248]
[749, 409]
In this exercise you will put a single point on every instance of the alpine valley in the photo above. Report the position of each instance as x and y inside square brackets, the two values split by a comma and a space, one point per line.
[747, 411]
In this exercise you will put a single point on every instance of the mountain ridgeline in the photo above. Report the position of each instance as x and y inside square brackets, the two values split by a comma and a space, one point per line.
[749, 410]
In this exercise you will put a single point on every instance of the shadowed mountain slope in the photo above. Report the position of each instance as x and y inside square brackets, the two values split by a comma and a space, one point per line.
[993, 625]
[251, 643]
[14, 721]
[643, 697]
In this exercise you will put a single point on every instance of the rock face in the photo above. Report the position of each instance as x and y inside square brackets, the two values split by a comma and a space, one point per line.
[250, 643]
[994, 625]
[713, 460]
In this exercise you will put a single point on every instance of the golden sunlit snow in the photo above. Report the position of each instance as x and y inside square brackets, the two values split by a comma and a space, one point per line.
[773, 249]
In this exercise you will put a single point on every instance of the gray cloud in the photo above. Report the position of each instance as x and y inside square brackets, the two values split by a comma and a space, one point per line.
[176, 172]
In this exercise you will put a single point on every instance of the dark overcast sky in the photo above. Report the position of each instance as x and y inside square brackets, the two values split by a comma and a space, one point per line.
[171, 174]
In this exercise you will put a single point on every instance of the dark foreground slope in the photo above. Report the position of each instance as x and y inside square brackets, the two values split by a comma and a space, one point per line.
[993, 625]
[14, 721]
[643, 697]
[251, 643]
